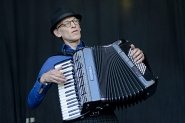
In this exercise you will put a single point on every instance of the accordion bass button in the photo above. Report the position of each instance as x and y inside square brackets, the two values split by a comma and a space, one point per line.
[99, 108]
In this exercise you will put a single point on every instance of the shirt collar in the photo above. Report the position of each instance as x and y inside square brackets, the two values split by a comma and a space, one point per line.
[67, 48]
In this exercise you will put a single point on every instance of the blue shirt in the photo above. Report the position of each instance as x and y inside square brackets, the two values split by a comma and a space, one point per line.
[39, 89]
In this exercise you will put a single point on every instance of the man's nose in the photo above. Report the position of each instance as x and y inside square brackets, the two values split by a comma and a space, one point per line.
[73, 24]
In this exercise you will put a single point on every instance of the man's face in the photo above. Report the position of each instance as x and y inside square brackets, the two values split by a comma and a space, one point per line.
[69, 29]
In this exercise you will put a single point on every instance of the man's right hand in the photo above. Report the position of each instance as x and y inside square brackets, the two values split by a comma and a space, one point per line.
[53, 76]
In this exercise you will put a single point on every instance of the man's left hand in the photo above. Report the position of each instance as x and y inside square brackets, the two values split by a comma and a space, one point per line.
[137, 54]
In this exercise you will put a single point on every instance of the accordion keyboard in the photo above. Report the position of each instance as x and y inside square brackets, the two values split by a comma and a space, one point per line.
[67, 93]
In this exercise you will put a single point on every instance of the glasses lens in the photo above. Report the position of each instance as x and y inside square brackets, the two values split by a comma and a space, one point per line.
[76, 21]
[68, 23]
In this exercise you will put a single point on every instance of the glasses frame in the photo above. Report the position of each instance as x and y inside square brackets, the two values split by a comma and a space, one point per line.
[68, 23]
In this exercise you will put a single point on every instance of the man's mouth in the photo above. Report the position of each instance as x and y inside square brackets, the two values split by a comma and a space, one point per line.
[74, 31]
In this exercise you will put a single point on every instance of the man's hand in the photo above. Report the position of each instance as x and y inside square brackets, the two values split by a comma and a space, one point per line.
[137, 54]
[54, 76]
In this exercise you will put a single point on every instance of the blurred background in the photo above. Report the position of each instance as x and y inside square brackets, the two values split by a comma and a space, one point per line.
[155, 26]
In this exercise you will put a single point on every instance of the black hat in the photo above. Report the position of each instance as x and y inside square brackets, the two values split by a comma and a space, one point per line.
[61, 14]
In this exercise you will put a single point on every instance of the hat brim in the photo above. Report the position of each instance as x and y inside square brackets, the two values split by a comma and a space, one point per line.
[62, 17]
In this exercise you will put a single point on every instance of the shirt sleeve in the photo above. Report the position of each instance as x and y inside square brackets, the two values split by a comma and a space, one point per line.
[39, 90]
[37, 94]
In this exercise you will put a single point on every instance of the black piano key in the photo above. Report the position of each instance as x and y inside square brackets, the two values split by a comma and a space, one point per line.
[69, 91]
[73, 113]
[69, 75]
[74, 101]
[70, 94]
[67, 66]
[69, 62]
[70, 99]
[69, 106]
[68, 82]
[66, 72]
[70, 111]
[67, 86]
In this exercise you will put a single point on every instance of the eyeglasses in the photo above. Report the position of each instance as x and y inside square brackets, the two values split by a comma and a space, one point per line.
[68, 23]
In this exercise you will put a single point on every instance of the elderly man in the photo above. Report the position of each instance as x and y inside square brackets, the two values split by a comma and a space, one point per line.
[66, 26]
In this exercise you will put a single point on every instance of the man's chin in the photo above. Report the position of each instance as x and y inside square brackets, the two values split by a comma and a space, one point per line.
[75, 40]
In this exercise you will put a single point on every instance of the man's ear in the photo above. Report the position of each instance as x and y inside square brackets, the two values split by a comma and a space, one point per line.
[57, 33]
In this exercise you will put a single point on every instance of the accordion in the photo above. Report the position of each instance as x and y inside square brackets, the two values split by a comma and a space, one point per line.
[100, 76]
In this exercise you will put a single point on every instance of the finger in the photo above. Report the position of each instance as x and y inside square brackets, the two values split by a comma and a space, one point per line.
[134, 52]
[132, 46]
[55, 76]
[137, 52]
[58, 74]
[58, 80]
[59, 67]
[139, 58]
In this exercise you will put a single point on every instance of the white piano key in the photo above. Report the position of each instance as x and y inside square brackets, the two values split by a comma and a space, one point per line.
[73, 110]
[61, 86]
[67, 69]
[67, 89]
[69, 85]
[67, 65]
[68, 73]
[69, 81]
[69, 98]
[63, 95]
[64, 103]
[64, 100]
[63, 63]
[66, 114]
[68, 117]
[66, 109]
[70, 94]
[72, 103]
[69, 77]
[74, 113]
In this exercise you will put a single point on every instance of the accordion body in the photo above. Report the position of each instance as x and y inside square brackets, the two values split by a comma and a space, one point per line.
[101, 76]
